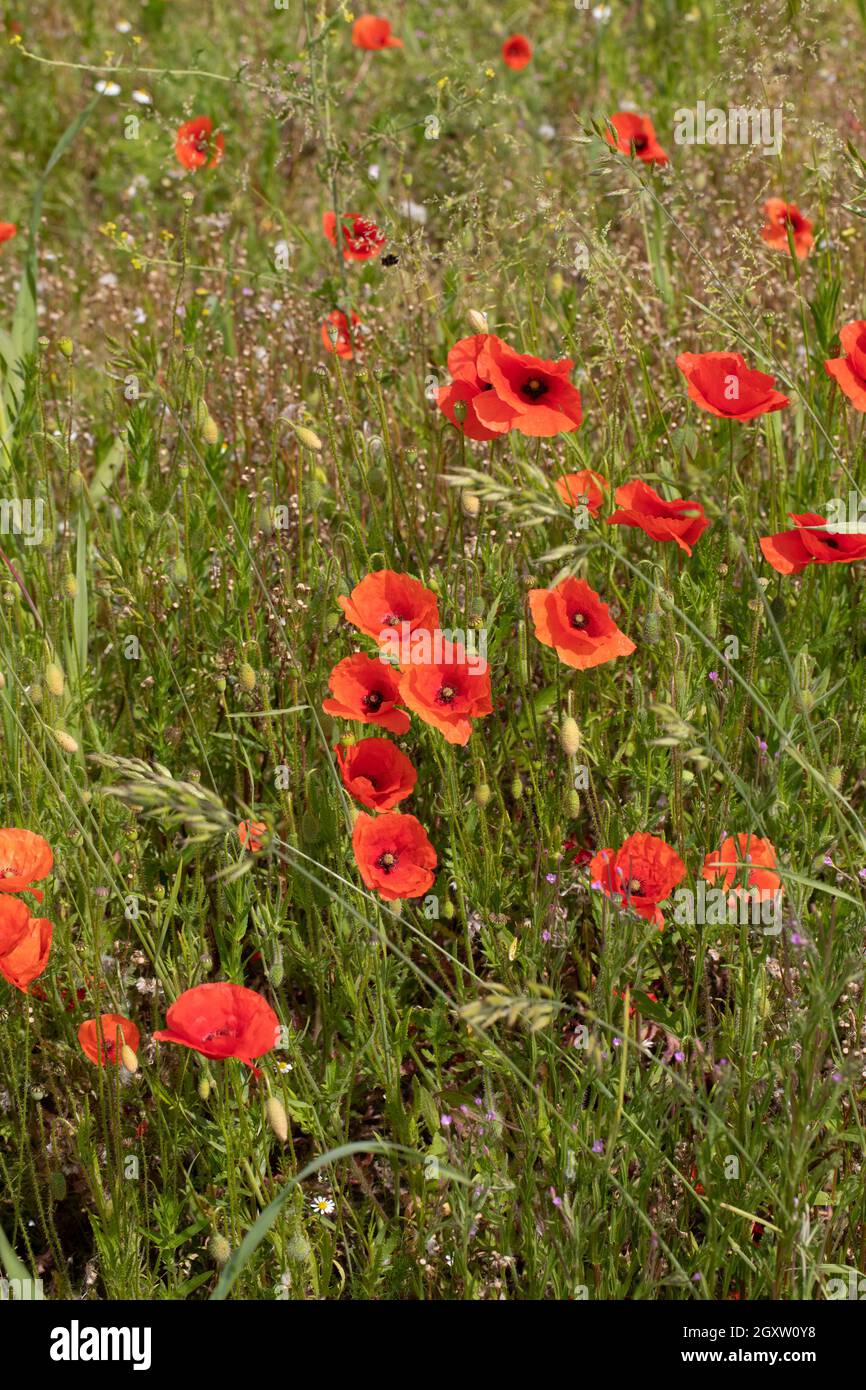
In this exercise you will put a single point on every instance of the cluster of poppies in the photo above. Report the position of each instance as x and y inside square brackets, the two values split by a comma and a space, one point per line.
[644, 871]
[217, 1020]
[25, 940]
[436, 679]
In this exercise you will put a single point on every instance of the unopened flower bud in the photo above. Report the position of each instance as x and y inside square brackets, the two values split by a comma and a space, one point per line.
[219, 1249]
[54, 679]
[246, 677]
[128, 1058]
[308, 438]
[516, 787]
[569, 736]
[277, 1118]
[70, 584]
[478, 320]
[470, 502]
[482, 795]
[572, 804]
[65, 741]
[204, 1088]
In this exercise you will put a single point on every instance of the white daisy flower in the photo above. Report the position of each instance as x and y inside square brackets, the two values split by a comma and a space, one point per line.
[323, 1206]
[107, 89]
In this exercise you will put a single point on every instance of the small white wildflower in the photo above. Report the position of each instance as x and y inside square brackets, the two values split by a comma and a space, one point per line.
[107, 89]
[142, 97]
[323, 1206]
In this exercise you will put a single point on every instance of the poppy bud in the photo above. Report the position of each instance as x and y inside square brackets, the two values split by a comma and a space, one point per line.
[246, 677]
[308, 438]
[460, 411]
[652, 628]
[310, 828]
[204, 1088]
[448, 910]
[70, 584]
[482, 795]
[572, 804]
[2, 681]
[470, 502]
[219, 1249]
[277, 1118]
[76, 482]
[298, 1248]
[35, 693]
[834, 777]
[569, 736]
[65, 741]
[516, 787]
[478, 320]
[54, 679]
[129, 1059]
[210, 431]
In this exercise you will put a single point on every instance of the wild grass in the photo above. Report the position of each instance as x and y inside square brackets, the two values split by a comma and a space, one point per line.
[511, 1090]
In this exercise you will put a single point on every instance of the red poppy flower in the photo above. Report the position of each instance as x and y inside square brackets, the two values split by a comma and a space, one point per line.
[573, 620]
[810, 544]
[252, 834]
[365, 688]
[722, 864]
[222, 1020]
[516, 51]
[641, 873]
[723, 384]
[780, 216]
[394, 855]
[457, 400]
[383, 601]
[376, 773]
[7, 231]
[529, 394]
[371, 32]
[681, 520]
[586, 486]
[109, 1048]
[338, 337]
[362, 239]
[196, 145]
[448, 692]
[635, 135]
[24, 859]
[850, 369]
[25, 943]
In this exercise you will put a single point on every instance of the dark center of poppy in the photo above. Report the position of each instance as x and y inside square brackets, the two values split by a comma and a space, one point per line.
[578, 620]
[834, 545]
[387, 861]
[217, 1033]
[372, 701]
[640, 142]
[446, 694]
[391, 620]
[534, 388]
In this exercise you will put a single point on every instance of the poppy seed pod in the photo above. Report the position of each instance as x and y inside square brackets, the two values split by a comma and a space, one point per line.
[569, 736]
[277, 1118]
[66, 346]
